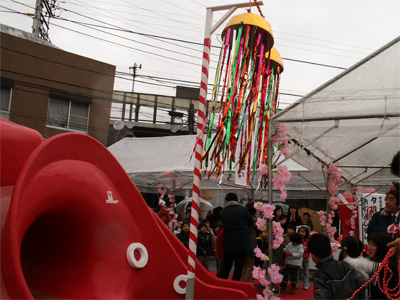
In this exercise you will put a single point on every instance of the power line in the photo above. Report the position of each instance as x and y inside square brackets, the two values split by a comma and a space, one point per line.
[284, 58]
[151, 25]
[306, 37]
[312, 63]
[138, 33]
[126, 12]
[160, 37]
[119, 5]
[122, 37]
[218, 46]
[156, 13]
[128, 47]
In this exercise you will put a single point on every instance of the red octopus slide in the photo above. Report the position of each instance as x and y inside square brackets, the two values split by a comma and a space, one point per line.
[74, 226]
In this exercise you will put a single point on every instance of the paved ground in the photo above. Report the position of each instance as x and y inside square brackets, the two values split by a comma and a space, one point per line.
[212, 268]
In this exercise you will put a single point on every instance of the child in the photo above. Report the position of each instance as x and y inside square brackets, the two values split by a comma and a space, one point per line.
[294, 258]
[183, 236]
[333, 279]
[178, 228]
[305, 234]
[204, 245]
[289, 231]
[262, 244]
[209, 229]
[216, 229]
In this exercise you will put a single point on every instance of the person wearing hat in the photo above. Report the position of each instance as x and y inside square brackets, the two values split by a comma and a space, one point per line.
[390, 214]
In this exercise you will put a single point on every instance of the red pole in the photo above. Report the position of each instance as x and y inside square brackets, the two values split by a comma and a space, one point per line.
[194, 218]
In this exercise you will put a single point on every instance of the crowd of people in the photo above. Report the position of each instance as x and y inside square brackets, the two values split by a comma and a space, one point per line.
[234, 237]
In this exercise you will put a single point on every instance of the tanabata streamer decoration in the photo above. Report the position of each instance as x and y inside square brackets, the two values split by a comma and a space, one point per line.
[244, 96]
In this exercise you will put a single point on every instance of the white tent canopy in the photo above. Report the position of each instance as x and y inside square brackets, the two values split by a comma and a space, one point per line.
[353, 120]
[147, 159]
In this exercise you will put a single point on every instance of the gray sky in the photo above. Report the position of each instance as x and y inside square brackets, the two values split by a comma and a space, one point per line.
[332, 32]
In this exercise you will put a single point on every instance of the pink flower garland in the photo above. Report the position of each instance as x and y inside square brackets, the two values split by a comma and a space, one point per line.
[335, 179]
[354, 211]
[162, 190]
[280, 179]
[282, 175]
[280, 140]
[273, 271]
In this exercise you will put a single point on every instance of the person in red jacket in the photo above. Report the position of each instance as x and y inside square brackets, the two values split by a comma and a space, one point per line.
[164, 215]
[219, 248]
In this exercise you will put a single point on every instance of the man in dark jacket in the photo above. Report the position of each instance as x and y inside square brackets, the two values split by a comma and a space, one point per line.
[333, 279]
[236, 220]
[390, 214]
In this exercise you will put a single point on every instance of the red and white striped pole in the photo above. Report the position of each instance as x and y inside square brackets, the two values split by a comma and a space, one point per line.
[194, 218]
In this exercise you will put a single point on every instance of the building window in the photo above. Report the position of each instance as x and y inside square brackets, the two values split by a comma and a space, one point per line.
[5, 102]
[68, 114]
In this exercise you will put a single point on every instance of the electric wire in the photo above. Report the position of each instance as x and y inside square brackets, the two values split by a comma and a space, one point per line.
[284, 58]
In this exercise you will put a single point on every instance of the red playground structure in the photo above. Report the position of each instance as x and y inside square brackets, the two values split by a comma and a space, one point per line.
[74, 226]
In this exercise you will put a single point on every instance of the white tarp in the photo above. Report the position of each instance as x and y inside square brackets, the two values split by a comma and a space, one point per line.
[147, 159]
[354, 120]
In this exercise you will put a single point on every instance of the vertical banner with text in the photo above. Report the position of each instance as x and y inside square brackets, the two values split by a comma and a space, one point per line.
[371, 204]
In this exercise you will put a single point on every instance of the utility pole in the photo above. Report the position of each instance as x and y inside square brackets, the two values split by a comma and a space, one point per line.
[134, 67]
[41, 19]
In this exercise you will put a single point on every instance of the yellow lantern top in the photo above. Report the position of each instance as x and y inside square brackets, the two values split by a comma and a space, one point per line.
[276, 60]
[252, 20]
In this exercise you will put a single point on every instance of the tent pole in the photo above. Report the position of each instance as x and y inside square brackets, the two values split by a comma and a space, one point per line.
[355, 149]
[270, 192]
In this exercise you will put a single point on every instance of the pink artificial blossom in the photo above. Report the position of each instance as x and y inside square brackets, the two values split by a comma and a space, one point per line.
[283, 195]
[278, 234]
[260, 297]
[256, 271]
[259, 254]
[286, 152]
[268, 211]
[264, 282]
[263, 169]
[332, 168]
[261, 224]
[258, 206]
[273, 271]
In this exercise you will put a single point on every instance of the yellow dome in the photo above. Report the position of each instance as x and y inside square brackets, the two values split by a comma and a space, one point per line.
[252, 20]
[276, 59]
